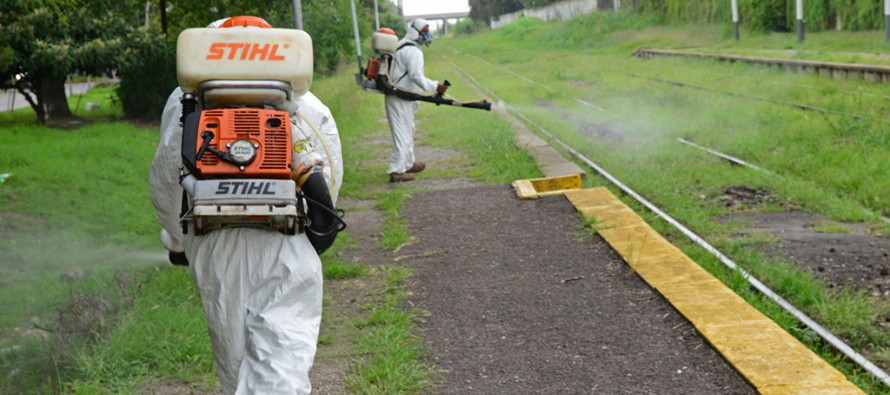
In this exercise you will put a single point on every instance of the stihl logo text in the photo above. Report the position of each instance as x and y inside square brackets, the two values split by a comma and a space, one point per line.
[244, 188]
[244, 51]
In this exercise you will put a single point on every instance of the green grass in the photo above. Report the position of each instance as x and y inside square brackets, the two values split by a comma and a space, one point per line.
[392, 359]
[395, 232]
[335, 268]
[830, 227]
[165, 336]
[75, 220]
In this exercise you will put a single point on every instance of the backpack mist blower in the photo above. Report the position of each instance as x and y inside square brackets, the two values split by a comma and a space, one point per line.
[376, 76]
[244, 160]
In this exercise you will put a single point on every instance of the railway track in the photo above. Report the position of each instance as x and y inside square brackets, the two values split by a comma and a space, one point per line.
[825, 334]
[791, 104]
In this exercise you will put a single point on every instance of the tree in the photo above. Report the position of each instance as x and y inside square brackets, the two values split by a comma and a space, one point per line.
[484, 10]
[50, 40]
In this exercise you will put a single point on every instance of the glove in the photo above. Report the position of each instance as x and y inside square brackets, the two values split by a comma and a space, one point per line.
[440, 90]
[178, 258]
[302, 172]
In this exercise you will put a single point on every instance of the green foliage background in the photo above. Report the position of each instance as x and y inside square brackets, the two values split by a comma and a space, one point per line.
[54, 39]
[772, 15]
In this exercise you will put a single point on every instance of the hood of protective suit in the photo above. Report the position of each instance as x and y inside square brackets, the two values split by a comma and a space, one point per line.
[217, 23]
[413, 31]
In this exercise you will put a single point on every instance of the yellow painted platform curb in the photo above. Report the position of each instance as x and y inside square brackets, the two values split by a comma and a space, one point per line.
[536, 187]
[772, 360]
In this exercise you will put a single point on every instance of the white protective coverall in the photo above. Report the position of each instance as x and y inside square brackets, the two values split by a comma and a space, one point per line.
[406, 74]
[261, 289]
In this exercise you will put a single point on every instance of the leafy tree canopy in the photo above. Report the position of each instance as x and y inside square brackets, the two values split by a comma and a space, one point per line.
[52, 39]
[48, 40]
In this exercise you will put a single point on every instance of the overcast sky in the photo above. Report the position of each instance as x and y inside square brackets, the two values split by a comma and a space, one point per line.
[422, 7]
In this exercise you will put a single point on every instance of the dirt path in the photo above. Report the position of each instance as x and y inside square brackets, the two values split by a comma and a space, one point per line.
[522, 299]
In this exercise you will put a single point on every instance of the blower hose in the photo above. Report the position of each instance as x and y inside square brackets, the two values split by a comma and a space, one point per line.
[325, 221]
[384, 86]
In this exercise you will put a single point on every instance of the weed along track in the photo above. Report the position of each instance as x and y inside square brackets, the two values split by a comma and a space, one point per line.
[636, 143]
[740, 162]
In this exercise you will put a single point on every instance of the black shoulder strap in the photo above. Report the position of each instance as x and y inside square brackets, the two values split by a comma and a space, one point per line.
[405, 45]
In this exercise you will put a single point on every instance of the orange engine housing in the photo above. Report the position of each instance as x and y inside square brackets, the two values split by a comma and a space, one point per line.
[270, 129]
[373, 69]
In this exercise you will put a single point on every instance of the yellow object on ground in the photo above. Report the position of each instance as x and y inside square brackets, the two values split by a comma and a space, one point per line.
[772, 360]
[537, 187]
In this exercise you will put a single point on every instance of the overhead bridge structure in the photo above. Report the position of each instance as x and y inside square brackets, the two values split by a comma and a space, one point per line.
[442, 16]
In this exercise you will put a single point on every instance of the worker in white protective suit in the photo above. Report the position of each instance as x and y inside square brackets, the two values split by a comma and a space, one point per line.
[407, 75]
[261, 289]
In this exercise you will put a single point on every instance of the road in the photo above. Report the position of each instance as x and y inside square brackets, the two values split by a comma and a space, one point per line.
[10, 99]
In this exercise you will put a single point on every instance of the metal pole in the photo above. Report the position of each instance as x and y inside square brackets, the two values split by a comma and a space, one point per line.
[298, 14]
[800, 25]
[163, 8]
[377, 16]
[358, 45]
[147, 12]
[617, 5]
[735, 18]
[887, 18]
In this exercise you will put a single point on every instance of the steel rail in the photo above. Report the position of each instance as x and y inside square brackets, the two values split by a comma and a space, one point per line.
[833, 340]
[724, 156]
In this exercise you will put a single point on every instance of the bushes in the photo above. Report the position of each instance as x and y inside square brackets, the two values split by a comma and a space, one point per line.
[147, 70]
[769, 16]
